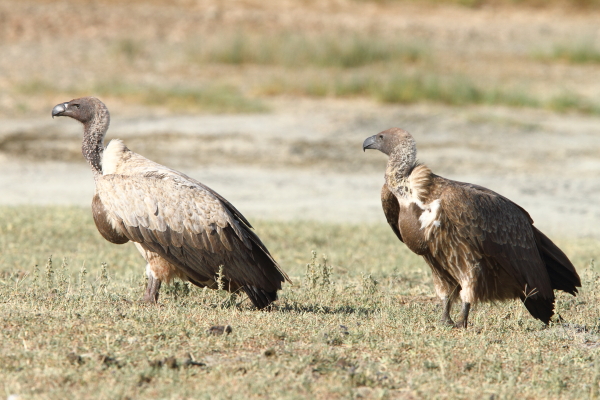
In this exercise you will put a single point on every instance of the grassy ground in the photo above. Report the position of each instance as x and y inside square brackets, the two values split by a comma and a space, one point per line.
[360, 325]
[188, 57]
[537, 4]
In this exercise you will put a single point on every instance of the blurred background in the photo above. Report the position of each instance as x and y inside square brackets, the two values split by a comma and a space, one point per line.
[268, 102]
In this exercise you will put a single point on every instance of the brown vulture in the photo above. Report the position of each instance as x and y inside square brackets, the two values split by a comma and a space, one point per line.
[180, 226]
[480, 245]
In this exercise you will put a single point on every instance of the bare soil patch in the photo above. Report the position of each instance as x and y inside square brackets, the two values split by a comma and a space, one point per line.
[305, 161]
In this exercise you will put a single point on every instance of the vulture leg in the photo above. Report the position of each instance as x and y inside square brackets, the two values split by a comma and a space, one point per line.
[464, 316]
[447, 304]
[151, 295]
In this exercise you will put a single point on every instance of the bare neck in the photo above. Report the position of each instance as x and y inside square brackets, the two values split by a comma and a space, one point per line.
[92, 146]
[399, 166]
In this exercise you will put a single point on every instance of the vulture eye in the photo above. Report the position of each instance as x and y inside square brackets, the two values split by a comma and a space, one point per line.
[76, 105]
[380, 136]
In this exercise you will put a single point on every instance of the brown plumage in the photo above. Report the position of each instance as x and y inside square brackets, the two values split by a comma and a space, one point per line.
[480, 245]
[182, 228]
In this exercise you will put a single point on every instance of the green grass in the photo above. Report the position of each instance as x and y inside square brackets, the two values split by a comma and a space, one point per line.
[339, 64]
[579, 52]
[214, 98]
[181, 99]
[401, 88]
[295, 50]
[572, 102]
[361, 324]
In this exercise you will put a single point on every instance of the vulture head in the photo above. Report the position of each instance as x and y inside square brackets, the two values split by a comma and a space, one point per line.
[83, 110]
[94, 116]
[390, 141]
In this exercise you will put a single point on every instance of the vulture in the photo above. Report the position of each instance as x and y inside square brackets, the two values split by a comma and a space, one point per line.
[479, 245]
[181, 227]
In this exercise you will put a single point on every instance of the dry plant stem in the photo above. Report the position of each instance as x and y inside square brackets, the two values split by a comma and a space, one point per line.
[335, 340]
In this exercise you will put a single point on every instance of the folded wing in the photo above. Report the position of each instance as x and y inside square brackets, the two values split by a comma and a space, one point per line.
[190, 226]
[502, 234]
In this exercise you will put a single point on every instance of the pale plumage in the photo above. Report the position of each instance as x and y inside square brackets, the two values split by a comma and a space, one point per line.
[181, 227]
[480, 245]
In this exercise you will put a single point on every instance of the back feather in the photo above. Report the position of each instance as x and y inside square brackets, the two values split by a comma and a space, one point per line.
[420, 181]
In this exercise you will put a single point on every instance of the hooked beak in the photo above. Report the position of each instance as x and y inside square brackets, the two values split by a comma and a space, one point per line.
[369, 142]
[59, 109]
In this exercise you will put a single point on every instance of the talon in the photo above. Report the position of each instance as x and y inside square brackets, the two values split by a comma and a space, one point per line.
[461, 324]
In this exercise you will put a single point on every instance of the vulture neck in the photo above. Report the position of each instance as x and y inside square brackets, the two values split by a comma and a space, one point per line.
[399, 167]
[94, 130]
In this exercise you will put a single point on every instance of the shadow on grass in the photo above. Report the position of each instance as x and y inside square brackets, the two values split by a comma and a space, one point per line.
[322, 309]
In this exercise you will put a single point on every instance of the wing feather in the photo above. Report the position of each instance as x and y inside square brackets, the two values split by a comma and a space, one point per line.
[391, 209]
[190, 227]
[498, 230]
[103, 224]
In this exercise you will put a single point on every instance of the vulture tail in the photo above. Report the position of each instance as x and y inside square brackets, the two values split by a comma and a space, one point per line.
[560, 270]
[260, 297]
[539, 307]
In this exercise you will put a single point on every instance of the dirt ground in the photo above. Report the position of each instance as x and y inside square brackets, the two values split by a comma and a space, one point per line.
[302, 159]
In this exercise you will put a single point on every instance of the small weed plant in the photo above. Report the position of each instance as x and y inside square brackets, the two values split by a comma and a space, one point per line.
[366, 328]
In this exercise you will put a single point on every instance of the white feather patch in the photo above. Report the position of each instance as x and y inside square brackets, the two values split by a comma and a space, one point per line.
[149, 272]
[111, 156]
[430, 215]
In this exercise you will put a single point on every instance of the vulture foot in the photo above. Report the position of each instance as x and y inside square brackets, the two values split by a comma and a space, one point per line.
[152, 290]
[445, 319]
[464, 316]
[460, 324]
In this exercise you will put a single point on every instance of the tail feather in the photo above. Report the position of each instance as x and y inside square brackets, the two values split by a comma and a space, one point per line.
[259, 297]
[539, 307]
[560, 269]
[269, 270]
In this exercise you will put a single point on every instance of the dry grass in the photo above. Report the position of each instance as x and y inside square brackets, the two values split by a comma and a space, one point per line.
[362, 324]
[576, 5]
[300, 50]
[187, 58]
[400, 88]
[583, 51]
[178, 98]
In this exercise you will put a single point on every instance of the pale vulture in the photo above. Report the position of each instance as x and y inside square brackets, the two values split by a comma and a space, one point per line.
[480, 245]
[181, 227]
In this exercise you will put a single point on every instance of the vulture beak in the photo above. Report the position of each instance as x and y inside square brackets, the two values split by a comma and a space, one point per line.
[59, 109]
[370, 142]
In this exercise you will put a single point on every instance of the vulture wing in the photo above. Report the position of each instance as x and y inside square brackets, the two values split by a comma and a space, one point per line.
[501, 232]
[391, 209]
[191, 227]
[131, 163]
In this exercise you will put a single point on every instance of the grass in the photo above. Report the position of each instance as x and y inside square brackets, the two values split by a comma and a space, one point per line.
[407, 88]
[214, 98]
[300, 50]
[538, 4]
[581, 52]
[360, 324]
[219, 57]
[182, 99]
[338, 64]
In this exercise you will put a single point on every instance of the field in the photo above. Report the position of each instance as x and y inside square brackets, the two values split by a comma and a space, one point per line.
[205, 56]
[268, 102]
[362, 324]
